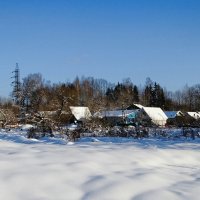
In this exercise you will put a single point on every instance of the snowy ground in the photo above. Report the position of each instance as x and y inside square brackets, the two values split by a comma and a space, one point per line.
[102, 169]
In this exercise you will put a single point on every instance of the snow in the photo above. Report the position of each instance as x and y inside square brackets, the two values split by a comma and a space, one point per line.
[138, 105]
[72, 127]
[26, 127]
[80, 113]
[98, 168]
[156, 114]
[195, 115]
[114, 113]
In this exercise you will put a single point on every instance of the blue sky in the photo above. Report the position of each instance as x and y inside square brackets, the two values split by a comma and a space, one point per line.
[111, 39]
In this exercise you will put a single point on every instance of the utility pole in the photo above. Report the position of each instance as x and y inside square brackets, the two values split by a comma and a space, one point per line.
[16, 86]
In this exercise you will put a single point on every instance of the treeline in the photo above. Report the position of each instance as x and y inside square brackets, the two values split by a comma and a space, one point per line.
[36, 94]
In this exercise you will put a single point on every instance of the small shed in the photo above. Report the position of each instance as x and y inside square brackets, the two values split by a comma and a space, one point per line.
[81, 113]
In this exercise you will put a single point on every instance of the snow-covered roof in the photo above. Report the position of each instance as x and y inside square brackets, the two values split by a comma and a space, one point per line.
[156, 115]
[114, 113]
[138, 105]
[195, 115]
[173, 114]
[135, 107]
[80, 113]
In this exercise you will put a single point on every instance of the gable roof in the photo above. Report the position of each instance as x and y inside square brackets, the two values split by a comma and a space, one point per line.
[138, 105]
[156, 115]
[173, 114]
[195, 115]
[80, 113]
[135, 106]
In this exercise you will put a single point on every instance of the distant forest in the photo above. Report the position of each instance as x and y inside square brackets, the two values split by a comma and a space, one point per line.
[36, 94]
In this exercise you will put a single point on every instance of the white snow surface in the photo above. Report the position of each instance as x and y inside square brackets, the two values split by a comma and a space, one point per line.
[98, 169]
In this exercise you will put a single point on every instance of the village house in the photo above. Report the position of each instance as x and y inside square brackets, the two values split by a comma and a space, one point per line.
[115, 117]
[194, 115]
[175, 118]
[152, 116]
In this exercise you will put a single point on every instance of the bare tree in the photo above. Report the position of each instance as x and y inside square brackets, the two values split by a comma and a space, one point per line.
[30, 91]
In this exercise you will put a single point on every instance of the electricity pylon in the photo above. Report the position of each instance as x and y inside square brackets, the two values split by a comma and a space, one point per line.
[16, 86]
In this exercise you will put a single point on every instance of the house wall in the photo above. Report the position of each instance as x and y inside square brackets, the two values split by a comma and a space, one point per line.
[159, 122]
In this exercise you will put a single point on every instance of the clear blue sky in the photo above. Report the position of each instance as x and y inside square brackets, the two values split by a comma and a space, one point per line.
[111, 39]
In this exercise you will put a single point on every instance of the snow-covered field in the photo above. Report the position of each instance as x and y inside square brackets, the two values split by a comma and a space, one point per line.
[98, 168]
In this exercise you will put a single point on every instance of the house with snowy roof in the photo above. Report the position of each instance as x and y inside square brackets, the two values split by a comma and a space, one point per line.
[194, 115]
[152, 116]
[114, 113]
[191, 119]
[174, 117]
[80, 113]
[117, 116]
[173, 114]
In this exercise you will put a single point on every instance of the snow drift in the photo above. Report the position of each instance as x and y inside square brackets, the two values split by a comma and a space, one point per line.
[98, 168]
